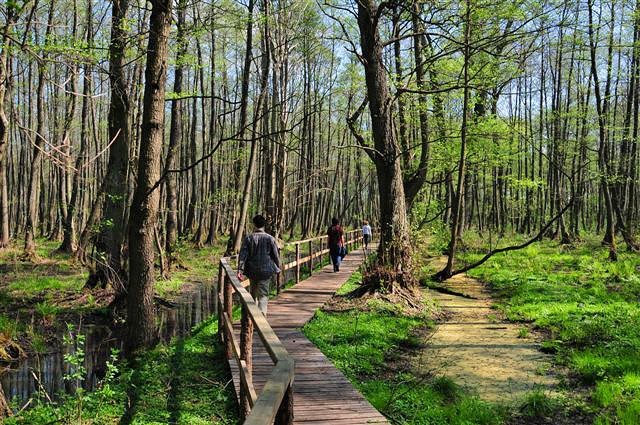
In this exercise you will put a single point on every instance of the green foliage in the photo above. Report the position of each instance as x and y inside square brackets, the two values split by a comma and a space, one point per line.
[46, 309]
[75, 354]
[538, 404]
[523, 332]
[28, 285]
[351, 284]
[8, 327]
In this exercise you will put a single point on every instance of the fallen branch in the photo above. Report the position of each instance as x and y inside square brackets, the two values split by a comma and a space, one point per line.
[493, 252]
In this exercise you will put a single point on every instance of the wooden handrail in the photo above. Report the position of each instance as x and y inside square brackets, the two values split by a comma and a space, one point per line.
[352, 237]
[274, 404]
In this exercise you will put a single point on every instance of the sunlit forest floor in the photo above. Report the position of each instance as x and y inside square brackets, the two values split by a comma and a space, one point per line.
[580, 306]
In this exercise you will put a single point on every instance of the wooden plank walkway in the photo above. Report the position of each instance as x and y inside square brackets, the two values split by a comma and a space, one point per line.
[322, 394]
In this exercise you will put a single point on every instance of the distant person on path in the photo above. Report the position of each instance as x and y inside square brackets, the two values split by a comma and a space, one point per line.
[259, 261]
[335, 234]
[366, 233]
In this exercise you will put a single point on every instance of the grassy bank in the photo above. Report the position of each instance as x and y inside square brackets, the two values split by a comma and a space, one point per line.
[370, 345]
[184, 382]
[587, 308]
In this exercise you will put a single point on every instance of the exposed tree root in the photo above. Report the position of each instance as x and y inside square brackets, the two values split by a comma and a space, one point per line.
[383, 284]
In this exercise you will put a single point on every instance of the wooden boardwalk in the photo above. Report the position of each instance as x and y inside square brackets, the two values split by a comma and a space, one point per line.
[322, 394]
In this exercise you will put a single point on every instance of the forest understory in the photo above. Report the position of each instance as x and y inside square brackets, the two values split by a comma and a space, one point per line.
[547, 341]
[139, 138]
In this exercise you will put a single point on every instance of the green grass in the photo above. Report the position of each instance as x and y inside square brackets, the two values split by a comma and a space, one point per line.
[184, 383]
[538, 404]
[588, 307]
[198, 264]
[362, 343]
[8, 327]
[351, 284]
[29, 285]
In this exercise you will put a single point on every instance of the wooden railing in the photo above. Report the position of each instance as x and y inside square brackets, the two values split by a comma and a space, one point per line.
[313, 249]
[274, 404]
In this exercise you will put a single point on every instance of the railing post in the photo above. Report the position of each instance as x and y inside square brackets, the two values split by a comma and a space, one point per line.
[310, 258]
[219, 300]
[285, 411]
[297, 263]
[281, 274]
[228, 311]
[246, 354]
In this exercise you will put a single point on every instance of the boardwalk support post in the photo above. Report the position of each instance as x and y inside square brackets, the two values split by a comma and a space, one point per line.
[228, 308]
[297, 263]
[246, 360]
[285, 411]
[310, 258]
[219, 302]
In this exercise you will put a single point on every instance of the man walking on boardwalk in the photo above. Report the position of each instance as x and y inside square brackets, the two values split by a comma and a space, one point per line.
[259, 261]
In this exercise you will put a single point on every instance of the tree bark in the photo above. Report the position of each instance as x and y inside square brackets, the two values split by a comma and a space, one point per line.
[109, 241]
[394, 249]
[33, 193]
[459, 196]
[5, 234]
[144, 208]
[175, 138]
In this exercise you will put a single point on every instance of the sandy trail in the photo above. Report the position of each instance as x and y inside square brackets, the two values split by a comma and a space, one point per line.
[477, 349]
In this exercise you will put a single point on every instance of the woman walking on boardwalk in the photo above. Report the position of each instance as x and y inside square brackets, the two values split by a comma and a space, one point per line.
[366, 233]
[335, 236]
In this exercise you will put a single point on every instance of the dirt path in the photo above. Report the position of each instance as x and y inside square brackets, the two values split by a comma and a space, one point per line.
[477, 349]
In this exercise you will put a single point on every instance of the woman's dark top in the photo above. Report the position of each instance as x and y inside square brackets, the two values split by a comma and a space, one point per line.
[334, 234]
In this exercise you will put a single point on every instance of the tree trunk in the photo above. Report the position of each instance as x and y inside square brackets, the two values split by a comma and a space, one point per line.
[4, 128]
[33, 193]
[175, 138]
[69, 230]
[264, 79]
[459, 196]
[144, 208]
[111, 236]
[602, 110]
[394, 249]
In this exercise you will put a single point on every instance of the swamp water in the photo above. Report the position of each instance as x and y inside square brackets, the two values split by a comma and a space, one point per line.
[46, 372]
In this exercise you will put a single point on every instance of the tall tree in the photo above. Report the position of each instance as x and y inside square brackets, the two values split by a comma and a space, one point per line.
[34, 191]
[109, 241]
[394, 250]
[146, 198]
[175, 136]
[462, 162]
